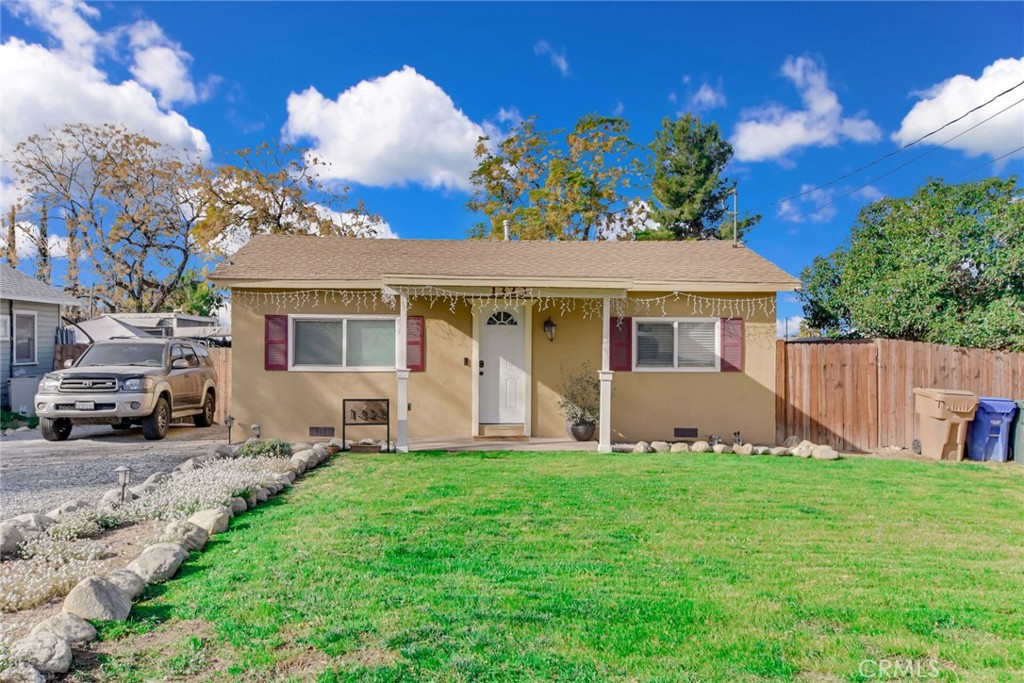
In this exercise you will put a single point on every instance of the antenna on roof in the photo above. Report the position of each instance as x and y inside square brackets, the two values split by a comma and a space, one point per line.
[504, 224]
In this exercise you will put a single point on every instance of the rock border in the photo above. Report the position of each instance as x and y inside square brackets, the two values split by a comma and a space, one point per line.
[799, 449]
[46, 650]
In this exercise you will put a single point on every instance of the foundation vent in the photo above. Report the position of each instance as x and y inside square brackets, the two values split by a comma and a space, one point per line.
[685, 432]
[321, 431]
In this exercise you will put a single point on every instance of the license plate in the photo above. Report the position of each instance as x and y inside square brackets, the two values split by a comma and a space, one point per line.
[85, 405]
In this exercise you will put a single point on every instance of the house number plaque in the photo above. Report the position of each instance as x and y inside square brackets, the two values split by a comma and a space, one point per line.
[366, 412]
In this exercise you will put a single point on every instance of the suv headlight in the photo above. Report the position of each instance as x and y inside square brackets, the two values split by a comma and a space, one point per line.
[49, 385]
[137, 384]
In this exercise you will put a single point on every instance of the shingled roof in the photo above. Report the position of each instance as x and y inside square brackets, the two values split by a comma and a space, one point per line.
[291, 261]
[20, 287]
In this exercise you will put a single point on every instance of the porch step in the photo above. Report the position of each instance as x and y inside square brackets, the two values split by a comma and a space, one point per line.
[502, 431]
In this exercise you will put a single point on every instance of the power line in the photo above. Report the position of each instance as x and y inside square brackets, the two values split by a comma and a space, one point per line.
[890, 154]
[989, 163]
[907, 163]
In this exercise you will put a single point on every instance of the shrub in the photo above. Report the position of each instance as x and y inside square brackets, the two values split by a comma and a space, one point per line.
[273, 448]
[580, 395]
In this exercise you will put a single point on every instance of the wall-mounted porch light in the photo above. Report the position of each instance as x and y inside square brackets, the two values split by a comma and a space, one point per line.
[549, 329]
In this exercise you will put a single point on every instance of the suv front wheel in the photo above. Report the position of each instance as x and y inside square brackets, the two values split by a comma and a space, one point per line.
[156, 425]
[55, 428]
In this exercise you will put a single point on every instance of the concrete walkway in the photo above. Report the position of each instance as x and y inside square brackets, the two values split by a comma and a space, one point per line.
[468, 443]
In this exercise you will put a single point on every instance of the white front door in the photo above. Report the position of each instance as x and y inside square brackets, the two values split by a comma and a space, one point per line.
[502, 367]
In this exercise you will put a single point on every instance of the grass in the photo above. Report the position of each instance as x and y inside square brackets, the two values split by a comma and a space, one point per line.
[585, 567]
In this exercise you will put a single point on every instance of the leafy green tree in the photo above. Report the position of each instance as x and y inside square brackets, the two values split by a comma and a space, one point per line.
[945, 265]
[689, 193]
[196, 296]
[569, 191]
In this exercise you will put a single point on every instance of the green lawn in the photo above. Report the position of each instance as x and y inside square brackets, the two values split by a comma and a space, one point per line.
[583, 567]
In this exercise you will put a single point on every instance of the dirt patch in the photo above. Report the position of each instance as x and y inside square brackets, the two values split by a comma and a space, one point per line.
[370, 658]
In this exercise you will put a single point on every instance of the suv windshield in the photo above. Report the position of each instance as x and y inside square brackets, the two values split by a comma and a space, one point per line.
[151, 355]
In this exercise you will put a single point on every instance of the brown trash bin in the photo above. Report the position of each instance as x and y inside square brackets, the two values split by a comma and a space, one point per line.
[942, 417]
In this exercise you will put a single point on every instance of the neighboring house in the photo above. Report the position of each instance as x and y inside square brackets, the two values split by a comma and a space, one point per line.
[168, 324]
[30, 313]
[457, 334]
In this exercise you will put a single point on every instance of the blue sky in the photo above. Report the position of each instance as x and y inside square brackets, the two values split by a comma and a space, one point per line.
[394, 94]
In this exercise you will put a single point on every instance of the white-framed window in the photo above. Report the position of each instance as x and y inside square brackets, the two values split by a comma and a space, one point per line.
[335, 342]
[25, 337]
[5, 326]
[676, 344]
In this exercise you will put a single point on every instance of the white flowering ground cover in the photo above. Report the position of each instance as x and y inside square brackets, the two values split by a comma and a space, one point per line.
[54, 561]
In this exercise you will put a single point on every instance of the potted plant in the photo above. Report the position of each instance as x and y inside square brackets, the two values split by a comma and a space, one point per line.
[580, 401]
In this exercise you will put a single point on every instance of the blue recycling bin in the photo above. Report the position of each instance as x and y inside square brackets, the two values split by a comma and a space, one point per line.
[988, 437]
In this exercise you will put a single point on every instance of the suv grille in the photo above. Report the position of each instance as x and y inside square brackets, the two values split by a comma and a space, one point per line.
[94, 385]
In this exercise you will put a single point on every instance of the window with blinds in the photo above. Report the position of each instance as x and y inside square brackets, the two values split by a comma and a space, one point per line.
[344, 342]
[676, 344]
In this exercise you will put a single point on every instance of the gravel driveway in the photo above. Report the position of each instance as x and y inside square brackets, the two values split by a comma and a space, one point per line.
[38, 475]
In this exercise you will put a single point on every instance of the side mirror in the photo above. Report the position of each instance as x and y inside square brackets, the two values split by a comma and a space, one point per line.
[179, 364]
[68, 363]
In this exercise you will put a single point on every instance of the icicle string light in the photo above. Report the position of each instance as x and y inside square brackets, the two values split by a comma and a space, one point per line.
[587, 306]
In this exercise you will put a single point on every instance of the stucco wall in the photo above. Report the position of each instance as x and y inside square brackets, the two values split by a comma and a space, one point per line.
[645, 405]
[649, 405]
[287, 403]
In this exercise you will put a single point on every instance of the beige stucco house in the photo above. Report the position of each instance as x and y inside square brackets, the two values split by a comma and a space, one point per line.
[470, 338]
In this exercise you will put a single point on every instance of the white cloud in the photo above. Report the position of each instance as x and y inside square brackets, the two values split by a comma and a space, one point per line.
[392, 130]
[813, 205]
[162, 65]
[869, 193]
[707, 97]
[43, 88]
[772, 132]
[788, 328]
[65, 21]
[558, 59]
[619, 108]
[950, 99]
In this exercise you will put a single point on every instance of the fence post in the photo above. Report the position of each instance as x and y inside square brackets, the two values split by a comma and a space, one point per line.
[780, 390]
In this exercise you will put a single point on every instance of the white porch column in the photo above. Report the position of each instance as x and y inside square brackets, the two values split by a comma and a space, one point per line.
[402, 376]
[604, 435]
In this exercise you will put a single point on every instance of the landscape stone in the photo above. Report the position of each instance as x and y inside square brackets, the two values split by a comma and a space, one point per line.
[779, 450]
[45, 651]
[33, 523]
[212, 520]
[238, 505]
[700, 447]
[143, 489]
[188, 534]
[298, 464]
[159, 561]
[762, 450]
[10, 538]
[825, 453]
[722, 448]
[67, 508]
[791, 441]
[262, 495]
[745, 449]
[22, 673]
[70, 627]
[287, 478]
[804, 450]
[157, 478]
[97, 599]
[128, 581]
[225, 451]
[642, 447]
[113, 497]
[300, 446]
[680, 448]
[660, 446]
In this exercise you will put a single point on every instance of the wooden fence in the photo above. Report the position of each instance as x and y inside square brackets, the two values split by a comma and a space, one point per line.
[858, 395]
[221, 358]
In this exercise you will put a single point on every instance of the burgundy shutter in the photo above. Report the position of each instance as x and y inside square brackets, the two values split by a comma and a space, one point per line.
[415, 343]
[620, 336]
[275, 342]
[732, 345]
